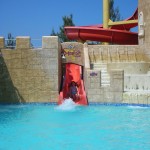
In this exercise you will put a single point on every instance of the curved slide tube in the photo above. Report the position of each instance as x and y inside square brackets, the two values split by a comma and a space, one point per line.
[118, 34]
[73, 73]
[102, 35]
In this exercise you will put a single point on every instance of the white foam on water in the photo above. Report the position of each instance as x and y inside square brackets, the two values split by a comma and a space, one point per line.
[68, 104]
[137, 107]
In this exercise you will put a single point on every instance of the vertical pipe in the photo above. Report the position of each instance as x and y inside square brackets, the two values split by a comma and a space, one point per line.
[105, 15]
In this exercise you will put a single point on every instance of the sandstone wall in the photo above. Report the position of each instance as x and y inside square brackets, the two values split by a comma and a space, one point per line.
[115, 53]
[144, 41]
[30, 75]
[73, 52]
[130, 67]
[137, 82]
[109, 94]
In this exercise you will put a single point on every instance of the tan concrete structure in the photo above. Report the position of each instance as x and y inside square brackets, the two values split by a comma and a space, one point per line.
[30, 75]
[144, 40]
[133, 62]
[97, 93]
[2, 42]
[115, 53]
[132, 85]
[23, 42]
[73, 52]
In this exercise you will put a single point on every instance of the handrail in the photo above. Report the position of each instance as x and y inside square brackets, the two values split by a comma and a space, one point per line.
[35, 43]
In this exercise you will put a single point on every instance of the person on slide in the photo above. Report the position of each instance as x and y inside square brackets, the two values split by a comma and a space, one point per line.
[74, 94]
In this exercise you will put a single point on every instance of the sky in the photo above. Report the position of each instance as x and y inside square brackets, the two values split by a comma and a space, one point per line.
[37, 18]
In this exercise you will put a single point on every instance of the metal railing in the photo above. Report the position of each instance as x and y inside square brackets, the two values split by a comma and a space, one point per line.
[11, 43]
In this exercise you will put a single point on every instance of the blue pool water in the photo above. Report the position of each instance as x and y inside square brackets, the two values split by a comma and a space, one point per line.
[49, 127]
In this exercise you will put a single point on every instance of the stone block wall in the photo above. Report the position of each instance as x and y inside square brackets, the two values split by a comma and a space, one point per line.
[73, 52]
[23, 42]
[93, 86]
[2, 42]
[115, 53]
[137, 82]
[144, 41]
[117, 84]
[134, 63]
[136, 98]
[130, 67]
[30, 75]
[111, 94]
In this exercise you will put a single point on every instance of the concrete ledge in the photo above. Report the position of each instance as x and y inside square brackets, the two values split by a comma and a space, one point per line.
[74, 53]
[130, 67]
[50, 42]
[86, 56]
[136, 98]
[117, 80]
[93, 79]
[117, 104]
[137, 82]
[2, 42]
[23, 42]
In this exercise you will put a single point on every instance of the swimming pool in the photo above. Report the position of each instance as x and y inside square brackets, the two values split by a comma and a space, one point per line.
[48, 127]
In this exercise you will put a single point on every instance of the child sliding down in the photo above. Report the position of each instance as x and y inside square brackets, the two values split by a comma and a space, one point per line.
[74, 94]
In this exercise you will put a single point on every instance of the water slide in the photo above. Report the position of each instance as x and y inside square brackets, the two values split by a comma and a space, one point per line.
[117, 33]
[73, 73]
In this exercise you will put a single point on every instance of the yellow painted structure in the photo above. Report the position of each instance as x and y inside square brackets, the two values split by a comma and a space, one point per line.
[111, 23]
[105, 15]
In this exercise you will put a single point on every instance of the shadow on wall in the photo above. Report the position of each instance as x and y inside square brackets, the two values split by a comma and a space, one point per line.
[8, 92]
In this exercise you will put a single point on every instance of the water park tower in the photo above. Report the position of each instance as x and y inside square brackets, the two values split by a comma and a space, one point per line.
[115, 70]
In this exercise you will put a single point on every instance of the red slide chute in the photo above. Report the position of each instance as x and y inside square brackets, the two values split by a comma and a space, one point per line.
[73, 73]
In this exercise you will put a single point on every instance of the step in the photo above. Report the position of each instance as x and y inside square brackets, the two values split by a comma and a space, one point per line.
[99, 65]
[104, 73]
[105, 85]
[104, 70]
[100, 69]
[105, 81]
[105, 77]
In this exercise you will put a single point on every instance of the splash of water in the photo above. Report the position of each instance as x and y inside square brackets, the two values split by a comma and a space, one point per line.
[68, 104]
[137, 107]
